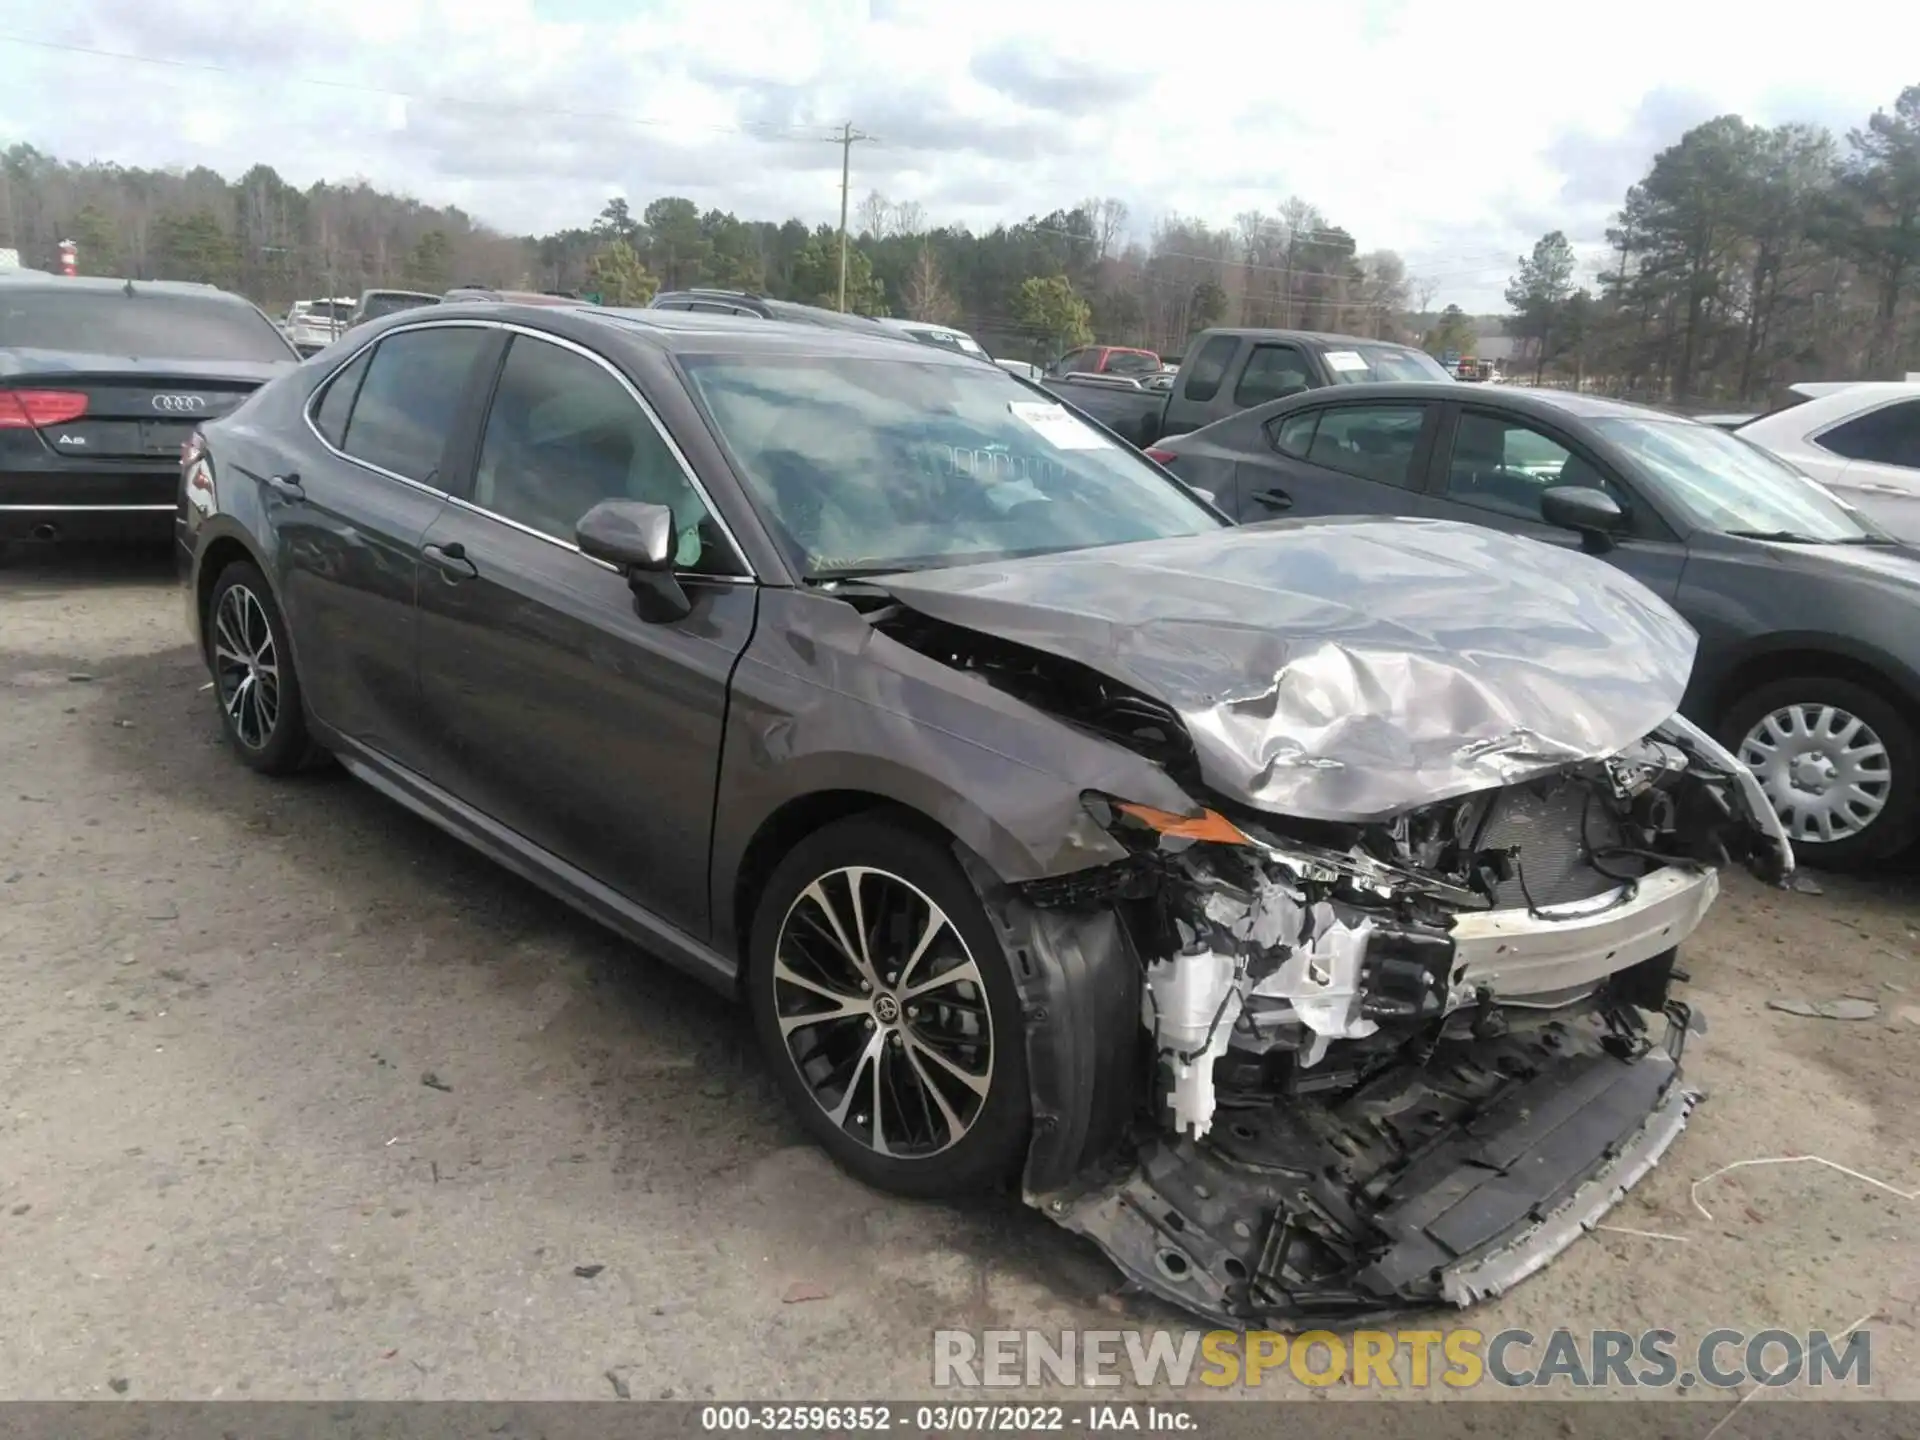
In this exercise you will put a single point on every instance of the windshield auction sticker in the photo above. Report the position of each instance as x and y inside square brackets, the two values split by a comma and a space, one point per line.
[1057, 426]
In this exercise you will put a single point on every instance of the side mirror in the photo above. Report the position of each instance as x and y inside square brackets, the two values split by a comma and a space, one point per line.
[1595, 514]
[637, 539]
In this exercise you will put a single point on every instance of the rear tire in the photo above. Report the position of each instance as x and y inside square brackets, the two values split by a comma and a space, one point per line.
[1840, 764]
[254, 682]
[913, 1076]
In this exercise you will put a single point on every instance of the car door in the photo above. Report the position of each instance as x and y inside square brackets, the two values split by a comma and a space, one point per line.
[1491, 467]
[348, 520]
[1352, 458]
[559, 712]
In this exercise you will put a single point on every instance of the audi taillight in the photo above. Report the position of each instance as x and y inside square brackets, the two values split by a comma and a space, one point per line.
[32, 409]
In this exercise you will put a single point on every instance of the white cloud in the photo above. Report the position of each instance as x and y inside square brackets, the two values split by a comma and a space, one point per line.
[1453, 134]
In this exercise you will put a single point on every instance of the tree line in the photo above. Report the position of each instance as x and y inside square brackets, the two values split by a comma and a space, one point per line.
[1033, 288]
[1746, 258]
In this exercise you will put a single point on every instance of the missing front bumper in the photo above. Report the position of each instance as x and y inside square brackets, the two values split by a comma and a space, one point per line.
[1432, 1185]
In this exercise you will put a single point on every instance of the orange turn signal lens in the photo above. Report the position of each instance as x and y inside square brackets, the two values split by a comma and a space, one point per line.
[1208, 825]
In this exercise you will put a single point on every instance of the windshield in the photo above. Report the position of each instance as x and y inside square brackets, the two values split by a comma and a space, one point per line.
[1731, 485]
[949, 340]
[1370, 364]
[147, 324]
[869, 466]
[378, 305]
[1132, 362]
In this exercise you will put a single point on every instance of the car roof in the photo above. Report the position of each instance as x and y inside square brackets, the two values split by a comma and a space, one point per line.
[1259, 333]
[696, 332]
[1516, 398]
[41, 280]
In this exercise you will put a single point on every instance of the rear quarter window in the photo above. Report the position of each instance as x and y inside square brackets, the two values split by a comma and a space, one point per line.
[1207, 369]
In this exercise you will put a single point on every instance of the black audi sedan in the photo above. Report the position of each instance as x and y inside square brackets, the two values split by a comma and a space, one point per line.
[1808, 612]
[1240, 890]
[101, 381]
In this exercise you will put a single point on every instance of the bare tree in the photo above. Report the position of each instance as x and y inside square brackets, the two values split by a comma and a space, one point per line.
[874, 216]
[926, 295]
[909, 218]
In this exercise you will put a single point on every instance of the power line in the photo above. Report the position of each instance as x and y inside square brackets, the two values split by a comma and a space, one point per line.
[767, 129]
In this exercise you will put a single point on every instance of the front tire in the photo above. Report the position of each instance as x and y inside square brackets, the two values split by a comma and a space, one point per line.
[1839, 763]
[887, 1011]
[253, 675]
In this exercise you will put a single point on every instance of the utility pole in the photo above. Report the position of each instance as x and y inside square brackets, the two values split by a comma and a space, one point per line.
[846, 140]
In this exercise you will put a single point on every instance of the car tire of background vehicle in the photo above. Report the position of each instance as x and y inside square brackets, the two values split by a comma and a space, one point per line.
[898, 1056]
[253, 677]
[1800, 722]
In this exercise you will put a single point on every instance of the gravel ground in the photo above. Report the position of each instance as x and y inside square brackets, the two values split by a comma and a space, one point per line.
[225, 1171]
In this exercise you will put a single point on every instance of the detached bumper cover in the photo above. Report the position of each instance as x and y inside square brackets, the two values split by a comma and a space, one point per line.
[1434, 1185]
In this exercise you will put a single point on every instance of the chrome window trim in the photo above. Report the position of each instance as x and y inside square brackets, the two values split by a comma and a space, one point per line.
[65, 509]
[633, 393]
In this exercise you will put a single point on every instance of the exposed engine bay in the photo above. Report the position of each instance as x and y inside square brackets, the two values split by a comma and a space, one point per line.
[1381, 1064]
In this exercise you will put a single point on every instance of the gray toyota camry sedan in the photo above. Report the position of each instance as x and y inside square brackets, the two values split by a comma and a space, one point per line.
[1291, 909]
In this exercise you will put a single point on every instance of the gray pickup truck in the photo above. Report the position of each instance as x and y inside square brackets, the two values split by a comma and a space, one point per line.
[1227, 371]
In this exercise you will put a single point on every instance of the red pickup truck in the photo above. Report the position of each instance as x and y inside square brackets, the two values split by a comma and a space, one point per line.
[1106, 360]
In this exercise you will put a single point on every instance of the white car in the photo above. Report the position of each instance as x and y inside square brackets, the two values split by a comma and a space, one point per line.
[312, 325]
[1861, 440]
[945, 336]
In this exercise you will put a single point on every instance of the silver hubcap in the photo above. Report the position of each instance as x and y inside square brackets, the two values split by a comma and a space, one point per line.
[246, 667]
[883, 1012]
[1825, 771]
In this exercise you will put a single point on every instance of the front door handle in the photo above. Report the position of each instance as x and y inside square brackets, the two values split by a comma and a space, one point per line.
[287, 486]
[451, 561]
[1274, 499]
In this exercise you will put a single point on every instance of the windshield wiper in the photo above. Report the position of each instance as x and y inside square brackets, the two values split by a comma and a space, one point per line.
[855, 572]
[1793, 537]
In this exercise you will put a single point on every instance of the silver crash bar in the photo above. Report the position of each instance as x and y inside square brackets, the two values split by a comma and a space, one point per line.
[1517, 953]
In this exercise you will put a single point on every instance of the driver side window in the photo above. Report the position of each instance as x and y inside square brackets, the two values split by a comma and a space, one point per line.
[1504, 466]
[563, 434]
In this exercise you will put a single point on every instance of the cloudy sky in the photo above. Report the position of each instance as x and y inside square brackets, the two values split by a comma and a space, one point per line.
[1455, 134]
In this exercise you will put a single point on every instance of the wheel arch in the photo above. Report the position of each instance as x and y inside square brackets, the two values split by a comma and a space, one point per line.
[1813, 656]
[215, 556]
[791, 823]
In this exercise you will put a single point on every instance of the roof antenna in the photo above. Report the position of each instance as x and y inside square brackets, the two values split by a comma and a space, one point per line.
[129, 287]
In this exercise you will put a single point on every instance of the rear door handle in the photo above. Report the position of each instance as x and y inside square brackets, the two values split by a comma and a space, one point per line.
[1274, 499]
[451, 561]
[287, 486]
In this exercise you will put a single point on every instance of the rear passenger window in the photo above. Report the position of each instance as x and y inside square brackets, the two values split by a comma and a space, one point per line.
[1209, 367]
[330, 417]
[410, 399]
[1373, 442]
[1887, 436]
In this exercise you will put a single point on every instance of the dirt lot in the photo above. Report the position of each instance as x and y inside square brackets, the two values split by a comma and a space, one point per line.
[222, 1172]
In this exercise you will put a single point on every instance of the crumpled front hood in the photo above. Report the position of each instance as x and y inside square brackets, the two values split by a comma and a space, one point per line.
[1349, 668]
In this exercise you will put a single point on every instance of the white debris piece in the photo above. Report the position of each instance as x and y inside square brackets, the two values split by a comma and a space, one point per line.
[1191, 1004]
[1321, 980]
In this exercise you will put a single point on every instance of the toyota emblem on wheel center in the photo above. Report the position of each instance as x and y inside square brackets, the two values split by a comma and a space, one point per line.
[179, 404]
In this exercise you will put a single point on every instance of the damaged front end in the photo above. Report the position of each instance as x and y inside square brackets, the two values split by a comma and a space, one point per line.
[1380, 1066]
[1384, 1020]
